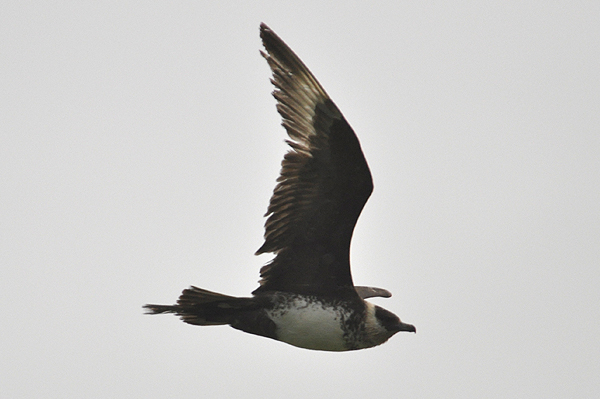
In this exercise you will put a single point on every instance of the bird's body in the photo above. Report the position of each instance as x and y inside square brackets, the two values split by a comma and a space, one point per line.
[306, 296]
[313, 323]
[308, 322]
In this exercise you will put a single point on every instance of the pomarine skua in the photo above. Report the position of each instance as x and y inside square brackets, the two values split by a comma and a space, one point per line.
[306, 295]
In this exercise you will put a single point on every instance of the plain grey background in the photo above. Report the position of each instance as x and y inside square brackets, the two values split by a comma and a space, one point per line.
[140, 146]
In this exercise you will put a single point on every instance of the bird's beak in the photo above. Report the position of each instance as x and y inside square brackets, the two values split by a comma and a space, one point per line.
[407, 327]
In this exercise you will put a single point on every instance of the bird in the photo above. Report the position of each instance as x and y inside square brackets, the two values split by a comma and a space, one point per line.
[306, 296]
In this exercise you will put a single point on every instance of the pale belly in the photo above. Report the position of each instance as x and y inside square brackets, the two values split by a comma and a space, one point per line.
[310, 325]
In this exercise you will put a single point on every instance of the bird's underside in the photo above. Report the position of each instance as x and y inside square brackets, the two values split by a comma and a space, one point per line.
[306, 295]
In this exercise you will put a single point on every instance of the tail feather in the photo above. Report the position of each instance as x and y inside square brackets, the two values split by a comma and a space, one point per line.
[204, 308]
[159, 309]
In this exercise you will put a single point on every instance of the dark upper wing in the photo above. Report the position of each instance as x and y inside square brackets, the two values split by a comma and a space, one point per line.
[323, 186]
[370, 292]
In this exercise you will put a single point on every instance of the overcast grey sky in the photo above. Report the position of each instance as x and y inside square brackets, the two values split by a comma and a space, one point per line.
[140, 145]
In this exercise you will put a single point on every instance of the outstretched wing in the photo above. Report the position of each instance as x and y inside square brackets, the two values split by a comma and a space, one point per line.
[323, 186]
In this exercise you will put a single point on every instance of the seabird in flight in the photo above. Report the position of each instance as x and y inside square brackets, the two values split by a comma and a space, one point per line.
[306, 296]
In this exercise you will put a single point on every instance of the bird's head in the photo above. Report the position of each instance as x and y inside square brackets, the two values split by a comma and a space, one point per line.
[390, 322]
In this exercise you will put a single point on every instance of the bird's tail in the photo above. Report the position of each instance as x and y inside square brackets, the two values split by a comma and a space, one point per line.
[203, 307]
